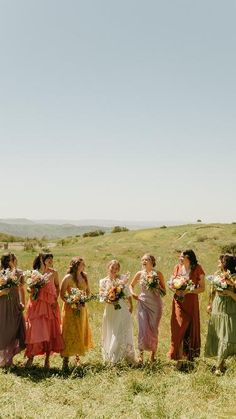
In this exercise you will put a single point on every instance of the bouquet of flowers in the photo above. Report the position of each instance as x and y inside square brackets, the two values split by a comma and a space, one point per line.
[35, 280]
[8, 279]
[77, 298]
[112, 293]
[123, 278]
[151, 281]
[222, 280]
[181, 283]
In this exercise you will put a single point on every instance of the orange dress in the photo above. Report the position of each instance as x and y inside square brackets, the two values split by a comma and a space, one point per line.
[43, 323]
[185, 321]
[76, 331]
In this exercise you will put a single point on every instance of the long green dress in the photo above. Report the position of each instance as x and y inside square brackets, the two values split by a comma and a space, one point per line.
[221, 335]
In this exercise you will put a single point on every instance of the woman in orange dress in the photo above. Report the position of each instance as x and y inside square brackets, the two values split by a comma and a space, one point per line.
[75, 326]
[43, 323]
[185, 319]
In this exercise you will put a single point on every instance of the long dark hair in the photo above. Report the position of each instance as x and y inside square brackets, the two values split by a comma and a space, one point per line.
[46, 256]
[189, 253]
[37, 263]
[229, 263]
[6, 259]
[73, 266]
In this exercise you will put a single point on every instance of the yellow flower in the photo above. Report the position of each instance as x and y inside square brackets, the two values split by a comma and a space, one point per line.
[178, 283]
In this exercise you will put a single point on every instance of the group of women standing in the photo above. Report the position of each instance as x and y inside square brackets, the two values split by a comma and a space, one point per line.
[43, 333]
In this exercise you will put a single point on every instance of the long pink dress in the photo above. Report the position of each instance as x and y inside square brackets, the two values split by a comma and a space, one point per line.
[149, 315]
[43, 323]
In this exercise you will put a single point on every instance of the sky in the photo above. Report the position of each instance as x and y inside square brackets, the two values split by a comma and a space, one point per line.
[118, 109]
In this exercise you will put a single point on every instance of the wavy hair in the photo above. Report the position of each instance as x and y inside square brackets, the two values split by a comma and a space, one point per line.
[189, 253]
[152, 259]
[73, 266]
[113, 262]
[229, 263]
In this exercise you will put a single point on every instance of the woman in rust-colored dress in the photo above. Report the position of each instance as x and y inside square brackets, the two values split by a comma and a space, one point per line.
[185, 319]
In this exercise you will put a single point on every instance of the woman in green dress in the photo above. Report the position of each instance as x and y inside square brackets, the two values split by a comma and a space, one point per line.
[221, 335]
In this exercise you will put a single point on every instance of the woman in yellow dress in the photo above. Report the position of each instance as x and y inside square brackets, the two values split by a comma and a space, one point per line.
[75, 326]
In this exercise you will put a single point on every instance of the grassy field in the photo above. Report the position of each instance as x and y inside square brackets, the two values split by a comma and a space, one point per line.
[152, 391]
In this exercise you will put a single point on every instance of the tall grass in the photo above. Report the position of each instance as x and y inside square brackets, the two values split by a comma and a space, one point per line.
[100, 391]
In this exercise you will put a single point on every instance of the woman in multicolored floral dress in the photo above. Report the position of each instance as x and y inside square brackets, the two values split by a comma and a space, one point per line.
[12, 302]
[149, 305]
[221, 335]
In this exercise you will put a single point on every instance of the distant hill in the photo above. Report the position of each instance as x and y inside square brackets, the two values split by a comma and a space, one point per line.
[53, 229]
[21, 221]
[50, 231]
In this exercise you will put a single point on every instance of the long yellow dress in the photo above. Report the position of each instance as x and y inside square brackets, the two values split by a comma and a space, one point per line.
[75, 329]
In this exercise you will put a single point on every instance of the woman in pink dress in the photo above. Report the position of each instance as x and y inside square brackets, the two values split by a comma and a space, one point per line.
[149, 305]
[43, 323]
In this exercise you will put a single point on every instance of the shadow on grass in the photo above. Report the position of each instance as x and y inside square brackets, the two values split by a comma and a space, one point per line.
[37, 373]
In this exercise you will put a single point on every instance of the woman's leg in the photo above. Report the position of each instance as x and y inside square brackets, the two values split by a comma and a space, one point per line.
[29, 362]
[46, 362]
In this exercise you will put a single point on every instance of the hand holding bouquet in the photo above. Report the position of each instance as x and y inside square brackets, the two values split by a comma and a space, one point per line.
[8, 279]
[77, 298]
[151, 281]
[112, 293]
[35, 280]
[222, 280]
[181, 283]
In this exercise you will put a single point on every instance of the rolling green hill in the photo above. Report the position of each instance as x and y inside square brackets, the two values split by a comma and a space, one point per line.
[153, 391]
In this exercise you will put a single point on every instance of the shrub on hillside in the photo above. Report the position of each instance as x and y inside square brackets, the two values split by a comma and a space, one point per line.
[229, 248]
[9, 238]
[201, 239]
[29, 246]
[118, 229]
[94, 233]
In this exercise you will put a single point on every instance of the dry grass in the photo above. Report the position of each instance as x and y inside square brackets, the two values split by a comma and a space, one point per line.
[153, 391]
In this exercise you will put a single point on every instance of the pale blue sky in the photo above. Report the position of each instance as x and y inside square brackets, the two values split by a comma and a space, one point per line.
[118, 109]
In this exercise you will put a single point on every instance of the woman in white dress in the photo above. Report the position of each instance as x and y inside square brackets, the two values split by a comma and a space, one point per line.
[117, 333]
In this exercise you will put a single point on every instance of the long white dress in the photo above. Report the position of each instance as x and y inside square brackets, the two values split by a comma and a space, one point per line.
[117, 331]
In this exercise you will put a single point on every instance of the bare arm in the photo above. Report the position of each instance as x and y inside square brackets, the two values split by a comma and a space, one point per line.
[199, 289]
[133, 283]
[201, 286]
[130, 304]
[56, 283]
[21, 290]
[88, 290]
[162, 282]
[64, 286]
[229, 294]
[211, 297]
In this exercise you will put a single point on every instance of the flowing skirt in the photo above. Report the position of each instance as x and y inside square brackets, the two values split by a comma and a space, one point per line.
[185, 328]
[150, 308]
[43, 328]
[221, 335]
[12, 327]
[117, 334]
[76, 331]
